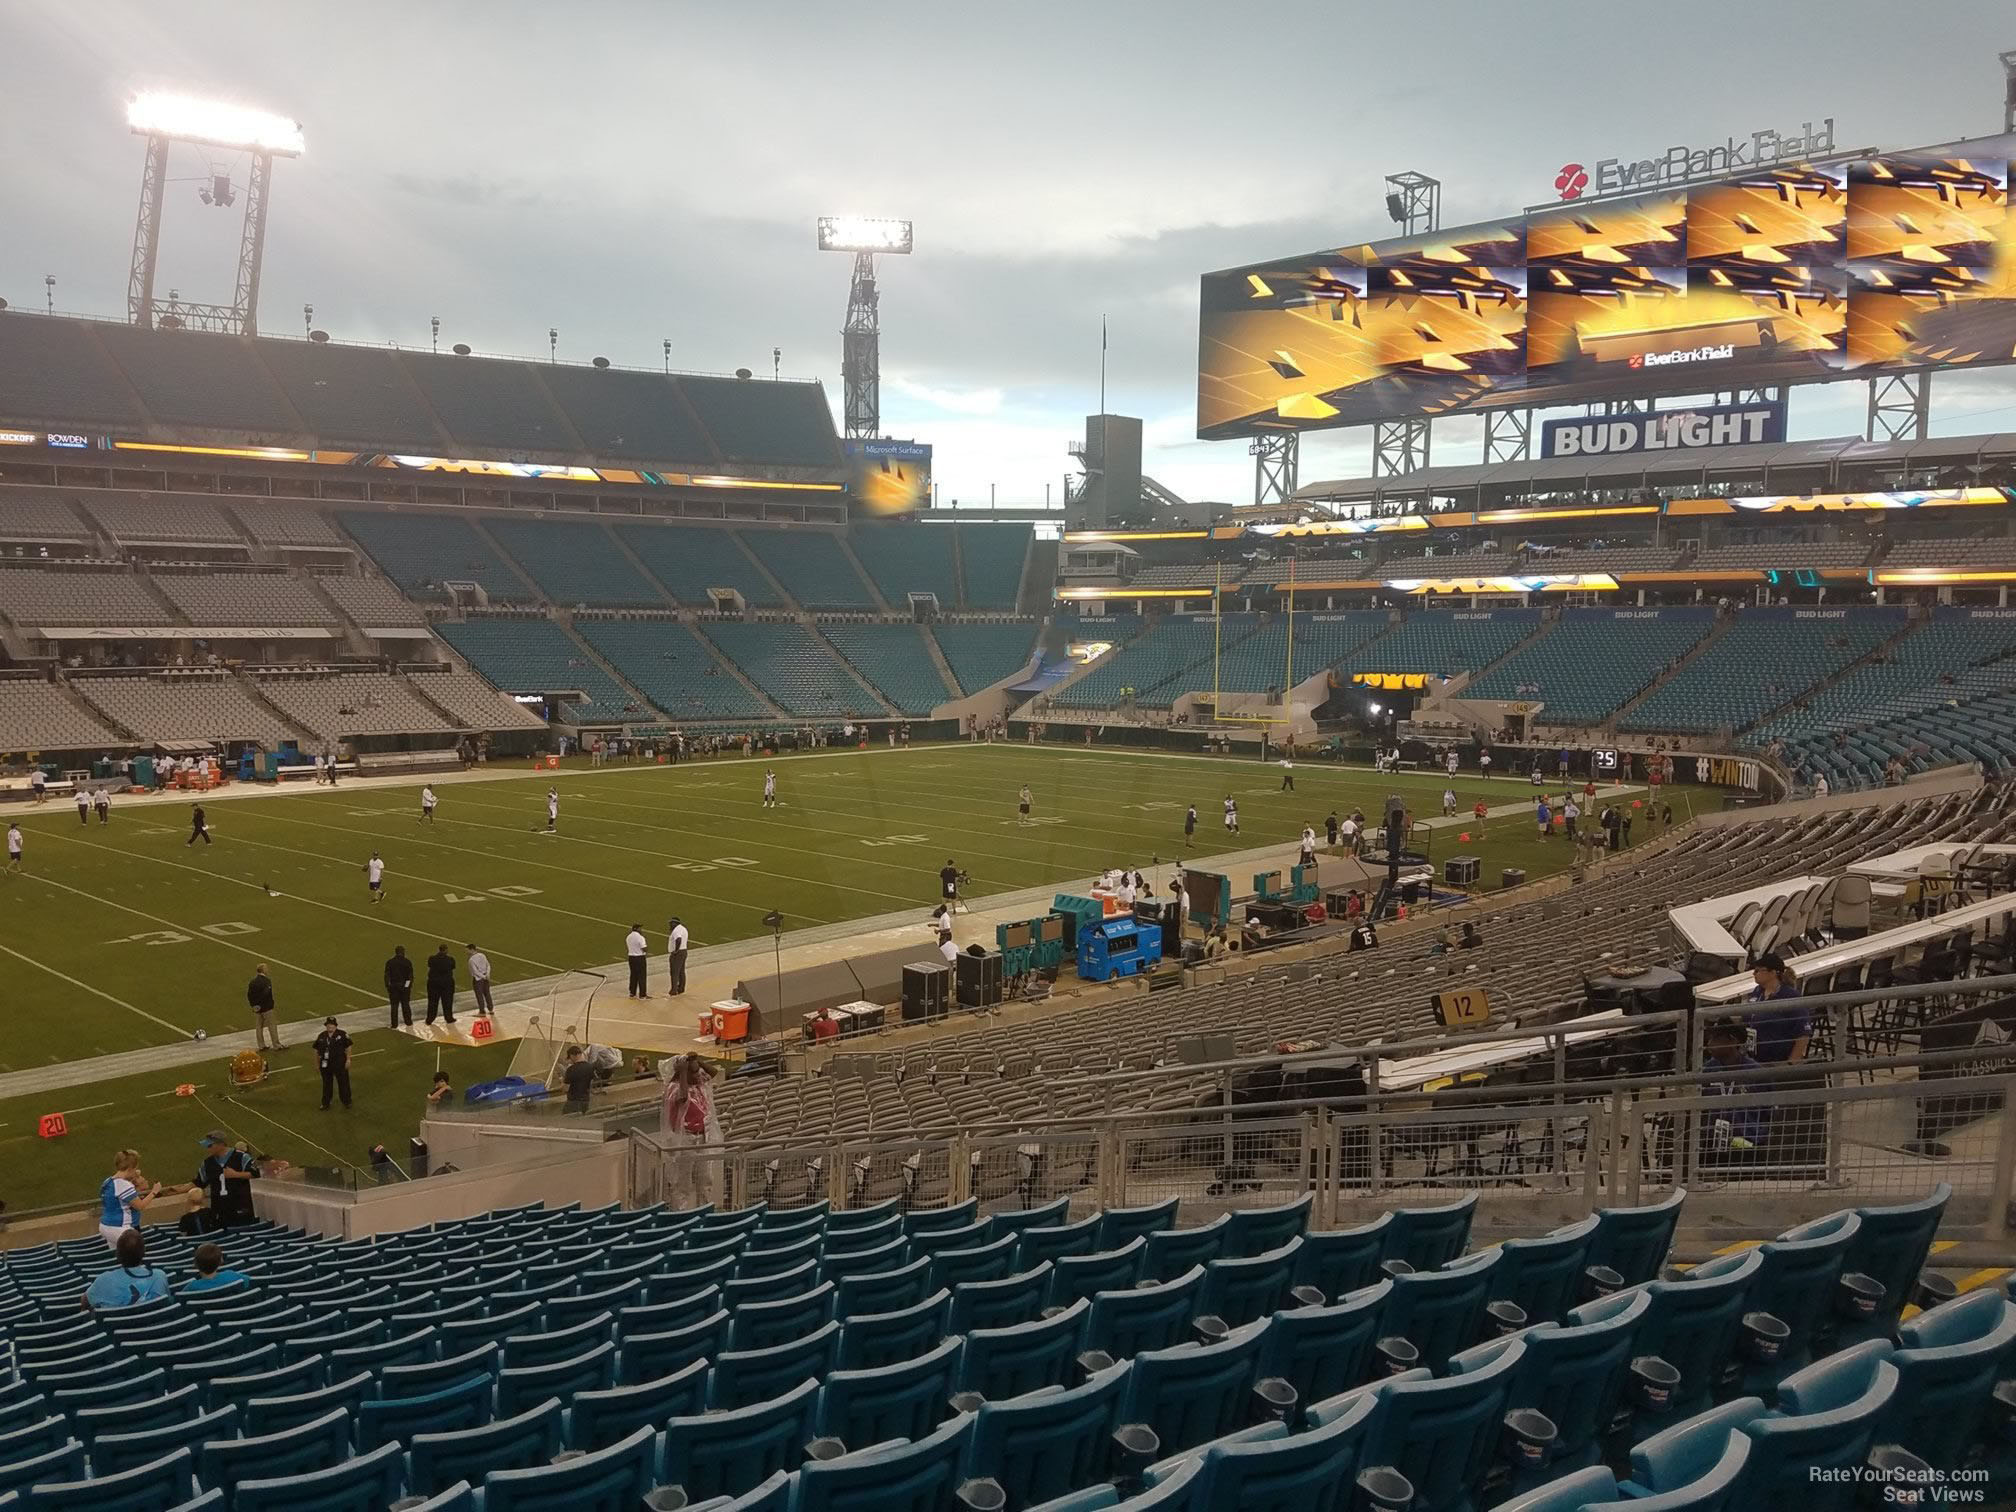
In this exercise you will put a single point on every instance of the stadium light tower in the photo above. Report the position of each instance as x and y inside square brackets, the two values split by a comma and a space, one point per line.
[861, 337]
[1414, 203]
[165, 118]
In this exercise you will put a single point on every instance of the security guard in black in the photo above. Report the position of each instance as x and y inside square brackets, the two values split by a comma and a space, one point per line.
[332, 1059]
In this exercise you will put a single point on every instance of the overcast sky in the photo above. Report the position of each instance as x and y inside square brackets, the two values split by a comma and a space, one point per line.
[628, 172]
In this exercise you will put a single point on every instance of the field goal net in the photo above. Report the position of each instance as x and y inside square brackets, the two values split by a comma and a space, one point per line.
[565, 1016]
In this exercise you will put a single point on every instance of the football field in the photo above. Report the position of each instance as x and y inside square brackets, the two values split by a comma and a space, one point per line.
[127, 935]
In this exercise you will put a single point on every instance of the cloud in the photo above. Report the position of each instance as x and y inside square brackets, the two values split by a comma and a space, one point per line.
[986, 401]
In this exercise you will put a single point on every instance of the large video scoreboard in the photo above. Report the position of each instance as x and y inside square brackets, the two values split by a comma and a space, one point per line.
[1793, 273]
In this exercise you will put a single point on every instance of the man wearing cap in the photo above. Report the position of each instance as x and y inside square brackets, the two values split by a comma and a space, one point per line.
[675, 947]
[332, 1058]
[227, 1174]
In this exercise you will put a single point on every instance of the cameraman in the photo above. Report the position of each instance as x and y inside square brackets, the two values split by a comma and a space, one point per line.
[949, 877]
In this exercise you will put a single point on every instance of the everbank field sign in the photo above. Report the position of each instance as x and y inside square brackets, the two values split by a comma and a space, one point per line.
[1679, 165]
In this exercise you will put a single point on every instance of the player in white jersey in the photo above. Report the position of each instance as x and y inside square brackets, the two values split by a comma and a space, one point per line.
[769, 788]
[552, 811]
[1023, 802]
[1231, 815]
[427, 801]
[374, 872]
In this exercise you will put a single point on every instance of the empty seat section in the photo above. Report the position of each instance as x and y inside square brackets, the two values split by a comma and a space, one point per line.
[373, 602]
[1443, 642]
[357, 394]
[812, 567]
[1767, 658]
[38, 716]
[472, 703]
[40, 519]
[794, 669]
[177, 706]
[575, 562]
[690, 561]
[1261, 660]
[537, 656]
[1591, 662]
[785, 423]
[991, 559]
[33, 597]
[337, 705]
[243, 599]
[163, 519]
[56, 371]
[1920, 690]
[981, 655]
[1139, 669]
[672, 667]
[421, 552]
[194, 378]
[896, 660]
[491, 403]
[907, 559]
[1770, 555]
[287, 522]
[641, 416]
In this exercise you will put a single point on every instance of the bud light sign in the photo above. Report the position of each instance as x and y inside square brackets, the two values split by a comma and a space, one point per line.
[1664, 430]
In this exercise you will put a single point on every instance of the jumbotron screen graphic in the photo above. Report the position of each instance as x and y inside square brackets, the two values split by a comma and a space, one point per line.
[1789, 274]
[887, 478]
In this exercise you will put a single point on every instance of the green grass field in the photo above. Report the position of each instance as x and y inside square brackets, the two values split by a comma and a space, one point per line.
[124, 935]
[281, 1116]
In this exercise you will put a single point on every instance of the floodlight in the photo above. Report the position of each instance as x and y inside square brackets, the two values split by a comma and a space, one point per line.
[215, 123]
[863, 233]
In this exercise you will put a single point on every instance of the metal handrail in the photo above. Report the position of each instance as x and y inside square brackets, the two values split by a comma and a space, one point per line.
[1527, 1098]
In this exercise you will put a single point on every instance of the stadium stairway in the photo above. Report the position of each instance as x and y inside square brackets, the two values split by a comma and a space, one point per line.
[595, 656]
[535, 594]
[937, 655]
[1699, 648]
[763, 571]
[882, 603]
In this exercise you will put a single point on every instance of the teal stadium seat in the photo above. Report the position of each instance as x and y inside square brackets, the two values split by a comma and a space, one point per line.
[166, 1482]
[1634, 1241]
[1322, 1351]
[1000, 1303]
[436, 1461]
[615, 1479]
[868, 1340]
[1175, 1492]
[1268, 1468]
[728, 1453]
[1693, 1324]
[1948, 1362]
[1041, 1445]
[897, 1401]
[1191, 1393]
[1576, 1375]
[1430, 1236]
[1238, 1291]
[1075, 1276]
[1151, 1315]
[367, 1483]
[1000, 1363]
[745, 1377]
[914, 1475]
[600, 1417]
[1441, 1312]
[1442, 1435]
